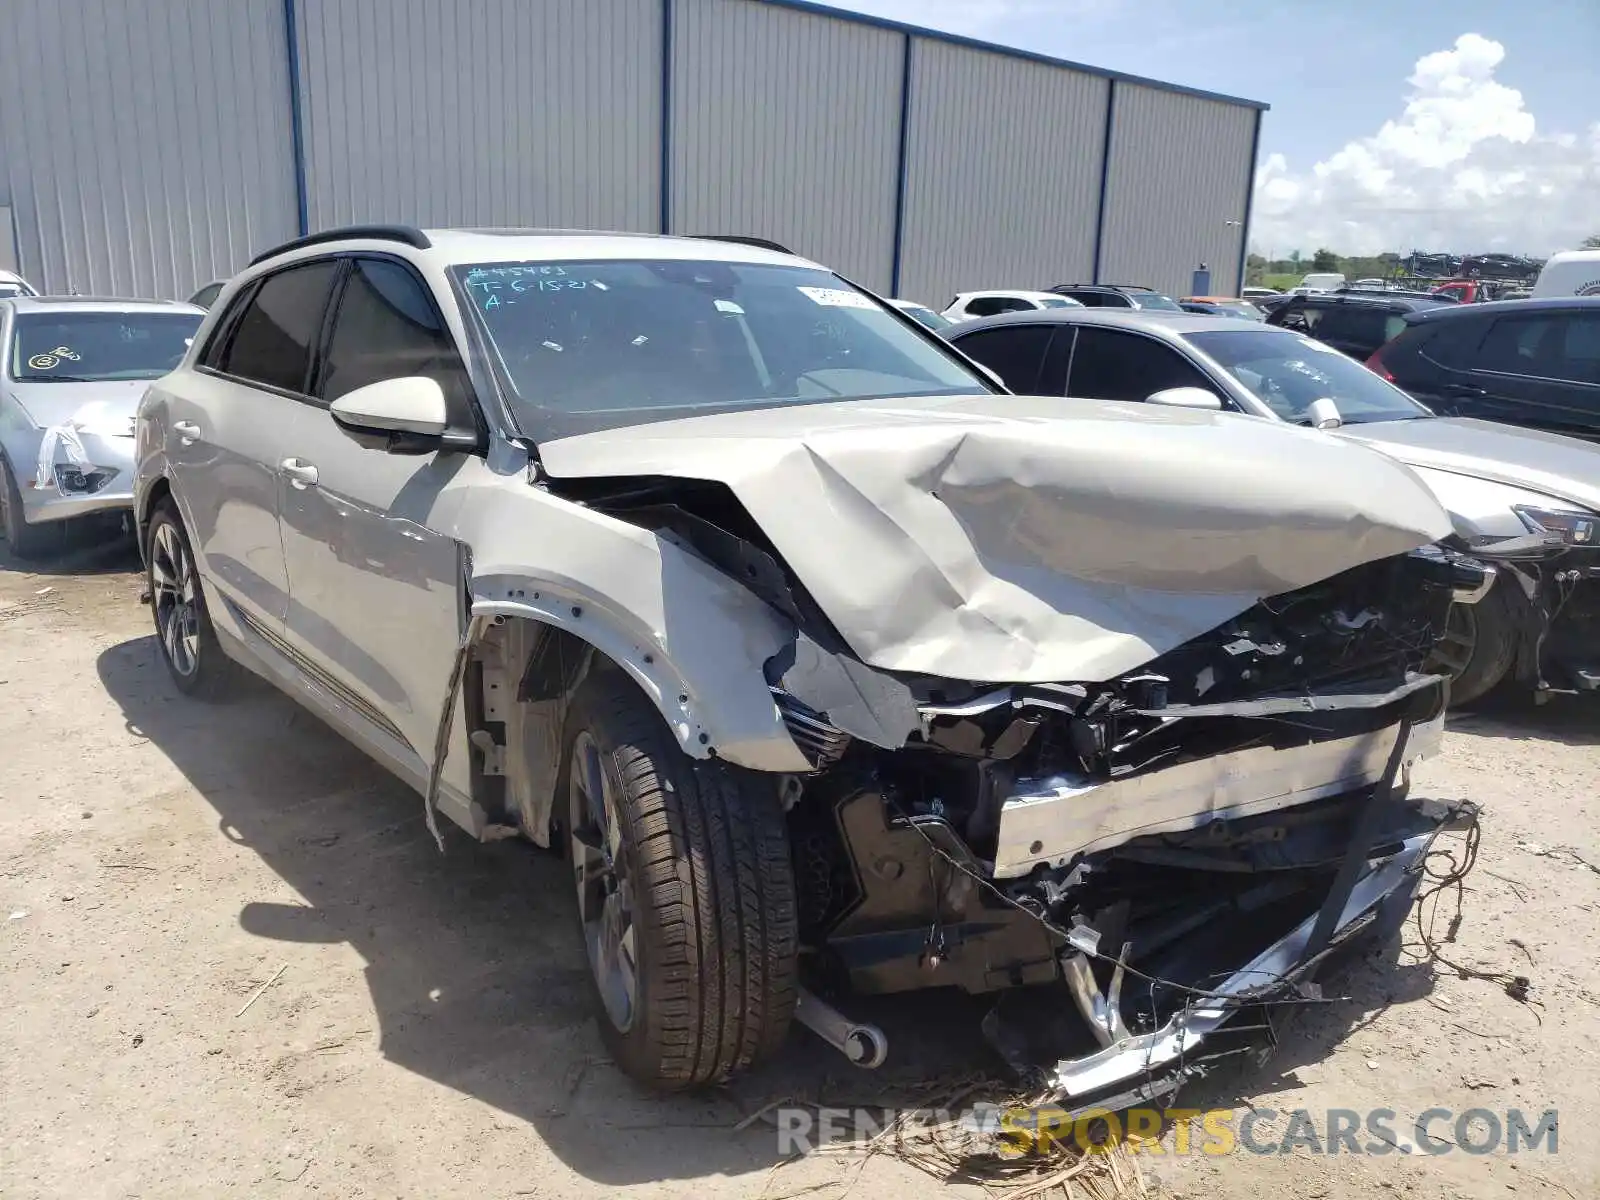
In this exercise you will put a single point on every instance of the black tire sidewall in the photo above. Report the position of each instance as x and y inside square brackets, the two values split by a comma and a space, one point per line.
[1494, 651]
[22, 539]
[213, 670]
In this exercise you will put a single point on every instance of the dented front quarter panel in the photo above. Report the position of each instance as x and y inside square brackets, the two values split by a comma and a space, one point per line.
[1025, 539]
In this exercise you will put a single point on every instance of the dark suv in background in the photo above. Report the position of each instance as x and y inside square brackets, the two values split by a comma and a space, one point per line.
[1523, 362]
[1117, 295]
[1356, 323]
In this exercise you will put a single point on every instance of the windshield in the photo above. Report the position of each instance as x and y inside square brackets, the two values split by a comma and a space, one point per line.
[926, 316]
[79, 347]
[1286, 372]
[1155, 301]
[586, 345]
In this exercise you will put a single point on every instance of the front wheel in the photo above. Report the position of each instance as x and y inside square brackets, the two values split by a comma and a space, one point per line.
[1479, 646]
[685, 894]
[25, 540]
[188, 643]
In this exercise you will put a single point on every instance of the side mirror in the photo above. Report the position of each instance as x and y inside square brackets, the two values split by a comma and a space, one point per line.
[1186, 397]
[1324, 414]
[402, 416]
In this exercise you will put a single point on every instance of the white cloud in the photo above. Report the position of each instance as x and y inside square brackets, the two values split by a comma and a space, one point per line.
[1463, 169]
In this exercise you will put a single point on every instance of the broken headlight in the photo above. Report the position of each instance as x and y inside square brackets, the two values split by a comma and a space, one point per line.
[75, 481]
[1571, 527]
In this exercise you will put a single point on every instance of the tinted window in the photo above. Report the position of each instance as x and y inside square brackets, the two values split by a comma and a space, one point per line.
[1014, 353]
[1452, 343]
[387, 327]
[988, 306]
[207, 295]
[1108, 364]
[1089, 299]
[1521, 346]
[1580, 349]
[1354, 323]
[73, 347]
[276, 332]
[586, 345]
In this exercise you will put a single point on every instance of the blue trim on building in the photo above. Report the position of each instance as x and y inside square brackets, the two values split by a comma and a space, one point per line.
[291, 26]
[1249, 203]
[1105, 178]
[955, 39]
[902, 166]
[666, 116]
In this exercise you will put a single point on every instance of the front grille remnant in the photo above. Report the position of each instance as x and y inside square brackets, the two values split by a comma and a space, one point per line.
[820, 742]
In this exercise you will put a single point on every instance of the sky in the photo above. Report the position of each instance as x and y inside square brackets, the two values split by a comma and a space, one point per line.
[1462, 125]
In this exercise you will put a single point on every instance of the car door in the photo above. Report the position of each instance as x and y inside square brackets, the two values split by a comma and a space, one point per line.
[376, 602]
[1536, 369]
[224, 436]
[1113, 364]
[1013, 352]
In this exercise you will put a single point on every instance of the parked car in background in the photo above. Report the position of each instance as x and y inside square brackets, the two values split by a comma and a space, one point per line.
[692, 560]
[1254, 294]
[1370, 285]
[1117, 295]
[1525, 362]
[1221, 306]
[1355, 323]
[1569, 273]
[71, 376]
[1325, 281]
[12, 284]
[922, 314]
[207, 295]
[1529, 500]
[1470, 291]
[993, 301]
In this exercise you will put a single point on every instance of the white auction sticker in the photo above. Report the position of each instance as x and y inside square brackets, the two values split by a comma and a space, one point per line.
[838, 298]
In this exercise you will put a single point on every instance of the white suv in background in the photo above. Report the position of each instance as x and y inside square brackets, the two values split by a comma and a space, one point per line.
[697, 562]
[969, 305]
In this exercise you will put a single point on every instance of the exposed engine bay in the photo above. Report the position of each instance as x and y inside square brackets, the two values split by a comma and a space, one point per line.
[1118, 848]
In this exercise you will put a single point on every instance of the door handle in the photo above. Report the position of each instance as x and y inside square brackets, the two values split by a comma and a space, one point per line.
[188, 432]
[301, 473]
[1463, 389]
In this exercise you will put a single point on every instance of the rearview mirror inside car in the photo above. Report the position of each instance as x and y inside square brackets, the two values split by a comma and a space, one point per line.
[403, 416]
[1186, 397]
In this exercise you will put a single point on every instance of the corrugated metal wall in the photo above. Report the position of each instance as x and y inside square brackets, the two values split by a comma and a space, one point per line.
[482, 112]
[1177, 190]
[786, 125]
[1003, 178]
[144, 148]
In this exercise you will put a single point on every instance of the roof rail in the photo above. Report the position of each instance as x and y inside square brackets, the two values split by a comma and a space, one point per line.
[377, 233]
[743, 240]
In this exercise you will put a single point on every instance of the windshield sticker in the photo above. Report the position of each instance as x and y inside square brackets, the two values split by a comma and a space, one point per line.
[52, 358]
[728, 306]
[1321, 347]
[837, 298]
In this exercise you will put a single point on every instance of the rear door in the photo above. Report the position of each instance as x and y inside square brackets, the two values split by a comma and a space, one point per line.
[1013, 352]
[376, 604]
[225, 424]
[1539, 369]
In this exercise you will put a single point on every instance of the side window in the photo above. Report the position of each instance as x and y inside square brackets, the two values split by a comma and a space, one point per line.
[1302, 318]
[988, 306]
[1520, 346]
[222, 333]
[1353, 323]
[1014, 353]
[387, 327]
[273, 340]
[1089, 299]
[1111, 365]
[1580, 349]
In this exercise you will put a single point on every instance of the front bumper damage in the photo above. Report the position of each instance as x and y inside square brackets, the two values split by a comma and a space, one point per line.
[1554, 597]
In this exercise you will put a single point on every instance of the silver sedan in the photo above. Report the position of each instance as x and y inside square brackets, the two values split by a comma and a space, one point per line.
[71, 375]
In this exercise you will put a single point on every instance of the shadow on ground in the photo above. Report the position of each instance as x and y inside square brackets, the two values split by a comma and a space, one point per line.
[86, 548]
[478, 976]
[1571, 720]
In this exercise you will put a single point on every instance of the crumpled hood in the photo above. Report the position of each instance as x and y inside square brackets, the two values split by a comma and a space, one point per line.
[1027, 539]
[1560, 466]
[115, 403]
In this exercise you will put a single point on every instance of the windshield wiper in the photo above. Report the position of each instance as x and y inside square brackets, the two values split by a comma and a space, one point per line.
[53, 379]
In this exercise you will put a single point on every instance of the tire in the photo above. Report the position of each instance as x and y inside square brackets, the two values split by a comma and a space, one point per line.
[1480, 646]
[689, 895]
[185, 638]
[26, 541]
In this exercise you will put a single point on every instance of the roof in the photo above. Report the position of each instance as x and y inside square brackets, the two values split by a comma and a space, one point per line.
[1344, 299]
[954, 39]
[62, 304]
[1025, 293]
[1542, 304]
[1165, 324]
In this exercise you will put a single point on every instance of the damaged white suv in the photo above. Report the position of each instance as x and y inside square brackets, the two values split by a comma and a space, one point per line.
[830, 665]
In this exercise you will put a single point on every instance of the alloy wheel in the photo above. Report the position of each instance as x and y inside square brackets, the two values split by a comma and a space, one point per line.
[601, 863]
[174, 594]
[1452, 654]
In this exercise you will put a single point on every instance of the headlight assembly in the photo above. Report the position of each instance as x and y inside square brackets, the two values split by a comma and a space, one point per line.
[1573, 527]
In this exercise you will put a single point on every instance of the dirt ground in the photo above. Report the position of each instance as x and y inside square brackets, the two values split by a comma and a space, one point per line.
[428, 1033]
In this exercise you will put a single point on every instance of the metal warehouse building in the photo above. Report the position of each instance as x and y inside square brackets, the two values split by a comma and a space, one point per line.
[147, 146]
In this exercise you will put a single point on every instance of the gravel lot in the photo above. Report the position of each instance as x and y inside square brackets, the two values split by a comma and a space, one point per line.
[429, 1033]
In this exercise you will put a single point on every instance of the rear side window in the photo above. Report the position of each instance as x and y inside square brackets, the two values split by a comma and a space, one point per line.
[1302, 318]
[1361, 325]
[1014, 353]
[988, 306]
[1108, 364]
[274, 337]
[1580, 349]
[1089, 299]
[387, 327]
[1520, 346]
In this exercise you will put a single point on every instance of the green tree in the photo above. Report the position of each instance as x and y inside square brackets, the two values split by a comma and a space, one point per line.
[1324, 260]
[1592, 242]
